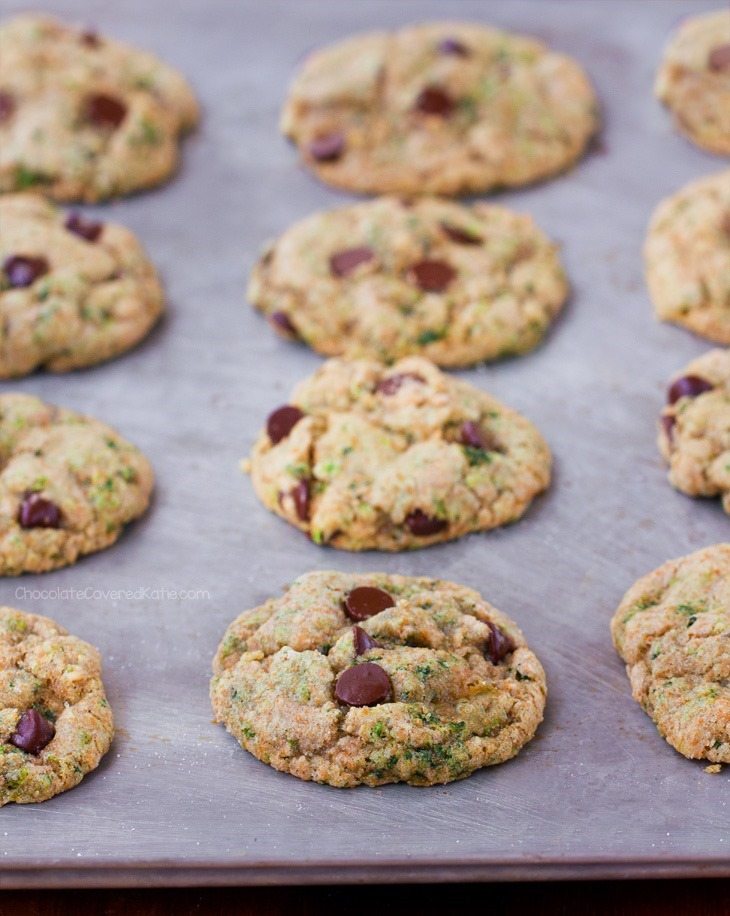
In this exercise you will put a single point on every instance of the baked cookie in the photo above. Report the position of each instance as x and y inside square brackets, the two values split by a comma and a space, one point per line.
[369, 457]
[370, 679]
[440, 108]
[694, 80]
[73, 291]
[390, 277]
[68, 485]
[55, 721]
[687, 256]
[83, 117]
[673, 631]
[694, 432]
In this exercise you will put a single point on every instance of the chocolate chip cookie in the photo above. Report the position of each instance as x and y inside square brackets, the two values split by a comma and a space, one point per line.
[687, 256]
[441, 108]
[68, 485]
[73, 291]
[694, 80]
[370, 457]
[392, 277]
[370, 679]
[694, 432]
[83, 117]
[673, 631]
[55, 721]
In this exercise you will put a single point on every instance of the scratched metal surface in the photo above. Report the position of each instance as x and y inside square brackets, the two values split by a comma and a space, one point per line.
[176, 800]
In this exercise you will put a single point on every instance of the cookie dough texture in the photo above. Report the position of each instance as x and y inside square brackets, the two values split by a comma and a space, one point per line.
[673, 631]
[687, 256]
[96, 480]
[694, 433]
[83, 117]
[451, 712]
[514, 111]
[96, 298]
[42, 667]
[695, 85]
[506, 282]
[378, 444]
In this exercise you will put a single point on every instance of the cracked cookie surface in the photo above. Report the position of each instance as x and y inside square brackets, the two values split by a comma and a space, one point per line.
[672, 629]
[393, 458]
[68, 485]
[440, 108]
[73, 292]
[83, 117]
[53, 678]
[457, 688]
[390, 278]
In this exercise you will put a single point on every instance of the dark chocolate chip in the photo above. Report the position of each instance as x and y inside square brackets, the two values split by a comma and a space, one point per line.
[282, 421]
[33, 732]
[432, 276]
[105, 110]
[453, 46]
[343, 263]
[282, 324]
[7, 105]
[392, 383]
[689, 386]
[498, 645]
[461, 236]
[23, 271]
[88, 229]
[432, 100]
[363, 685]
[668, 424]
[363, 641]
[423, 525]
[719, 59]
[471, 435]
[328, 147]
[90, 38]
[365, 601]
[38, 512]
[300, 495]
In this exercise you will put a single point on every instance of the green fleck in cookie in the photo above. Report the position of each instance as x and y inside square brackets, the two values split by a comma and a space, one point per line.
[694, 433]
[370, 679]
[694, 80]
[687, 255]
[369, 457]
[55, 721]
[73, 291]
[390, 277]
[68, 485]
[442, 108]
[673, 631]
[83, 117]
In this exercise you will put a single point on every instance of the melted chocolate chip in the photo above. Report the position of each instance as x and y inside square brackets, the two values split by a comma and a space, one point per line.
[328, 147]
[366, 601]
[300, 494]
[23, 271]
[343, 263]
[392, 383]
[471, 435]
[689, 386]
[432, 100]
[88, 229]
[461, 236]
[719, 59]
[33, 732]
[432, 276]
[282, 324]
[363, 685]
[498, 645]
[282, 421]
[7, 105]
[38, 512]
[453, 46]
[104, 110]
[363, 641]
[423, 525]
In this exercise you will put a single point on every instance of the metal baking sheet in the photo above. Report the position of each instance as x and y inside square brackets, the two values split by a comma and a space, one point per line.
[176, 801]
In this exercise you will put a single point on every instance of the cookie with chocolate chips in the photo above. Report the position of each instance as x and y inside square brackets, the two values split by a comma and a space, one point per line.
[68, 485]
[83, 117]
[73, 291]
[440, 108]
[390, 277]
[694, 80]
[694, 431]
[370, 457]
[55, 721]
[370, 679]
[687, 257]
[672, 629]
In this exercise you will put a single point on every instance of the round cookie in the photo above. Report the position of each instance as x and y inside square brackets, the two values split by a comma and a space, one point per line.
[694, 432]
[371, 679]
[68, 485]
[55, 721]
[73, 291]
[83, 117]
[390, 277]
[673, 631]
[687, 256]
[369, 457]
[693, 80]
[440, 108]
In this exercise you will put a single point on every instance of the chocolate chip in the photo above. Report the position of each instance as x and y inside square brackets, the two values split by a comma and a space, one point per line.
[88, 229]
[90, 38]
[689, 386]
[453, 46]
[104, 110]
[328, 147]
[392, 383]
[668, 424]
[282, 421]
[363, 641]
[365, 601]
[498, 644]
[22, 271]
[423, 525]
[7, 105]
[33, 732]
[343, 263]
[300, 495]
[434, 101]
[461, 236]
[363, 685]
[38, 512]
[432, 276]
[282, 324]
[471, 435]
[719, 59]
